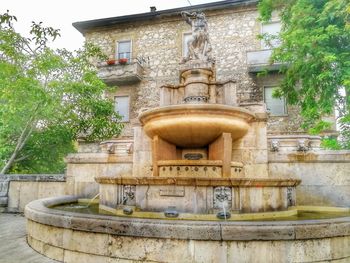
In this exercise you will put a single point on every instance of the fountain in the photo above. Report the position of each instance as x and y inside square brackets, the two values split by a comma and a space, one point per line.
[208, 195]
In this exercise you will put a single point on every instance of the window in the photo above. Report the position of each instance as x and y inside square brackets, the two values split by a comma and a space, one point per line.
[124, 49]
[122, 107]
[276, 106]
[273, 29]
[185, 38]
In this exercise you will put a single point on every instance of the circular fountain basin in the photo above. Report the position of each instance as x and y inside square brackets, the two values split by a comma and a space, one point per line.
[76, 237]
[195, 125]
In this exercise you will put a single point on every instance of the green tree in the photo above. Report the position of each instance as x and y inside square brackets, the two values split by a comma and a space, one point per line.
[315, 47]
[48, 98]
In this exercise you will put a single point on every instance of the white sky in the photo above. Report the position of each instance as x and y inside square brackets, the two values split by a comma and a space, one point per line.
[61, 14]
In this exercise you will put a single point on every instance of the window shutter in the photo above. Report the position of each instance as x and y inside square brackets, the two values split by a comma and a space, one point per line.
[276, 106]
[122, 107]
[124, 49]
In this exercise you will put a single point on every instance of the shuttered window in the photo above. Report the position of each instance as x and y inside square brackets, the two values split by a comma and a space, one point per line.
[273, 29]
[276, 106]
[122, 106]
[124, 49]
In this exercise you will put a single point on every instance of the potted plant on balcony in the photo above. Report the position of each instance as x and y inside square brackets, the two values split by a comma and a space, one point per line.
[123, 61]
[111, 61]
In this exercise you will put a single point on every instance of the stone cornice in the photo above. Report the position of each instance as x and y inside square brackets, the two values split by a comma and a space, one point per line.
[197, 181]
[33, 177]
[84, 26]
[322, 156]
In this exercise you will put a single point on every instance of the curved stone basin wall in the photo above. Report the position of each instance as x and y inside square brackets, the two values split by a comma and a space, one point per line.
[195, 125]
[72, 237]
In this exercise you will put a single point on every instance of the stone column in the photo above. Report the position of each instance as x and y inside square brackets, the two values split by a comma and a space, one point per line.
[161, 150]
[221, 149]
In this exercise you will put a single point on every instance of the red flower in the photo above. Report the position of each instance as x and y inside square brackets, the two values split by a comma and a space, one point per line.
[123, 60]
[111, 61]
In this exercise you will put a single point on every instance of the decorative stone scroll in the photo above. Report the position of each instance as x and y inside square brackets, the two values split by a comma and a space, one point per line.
[196, 99]
[222, 197]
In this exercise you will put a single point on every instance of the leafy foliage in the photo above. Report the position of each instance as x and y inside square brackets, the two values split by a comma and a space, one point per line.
[315, 47]
[48, 99]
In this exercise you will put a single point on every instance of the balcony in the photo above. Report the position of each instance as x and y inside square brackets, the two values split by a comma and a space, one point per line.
[122, 73]
[259, 61]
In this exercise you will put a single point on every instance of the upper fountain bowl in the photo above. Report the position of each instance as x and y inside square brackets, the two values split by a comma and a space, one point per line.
[195, 125]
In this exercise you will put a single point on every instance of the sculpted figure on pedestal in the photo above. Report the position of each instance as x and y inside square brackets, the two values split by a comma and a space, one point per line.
[199, 47]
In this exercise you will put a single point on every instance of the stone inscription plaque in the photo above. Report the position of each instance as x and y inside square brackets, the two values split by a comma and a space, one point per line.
[172, 191]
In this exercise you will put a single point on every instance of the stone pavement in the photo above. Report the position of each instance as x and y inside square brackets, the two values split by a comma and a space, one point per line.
[13, 245]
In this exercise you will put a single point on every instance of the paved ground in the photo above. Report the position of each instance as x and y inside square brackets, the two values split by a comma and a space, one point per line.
[13, 245]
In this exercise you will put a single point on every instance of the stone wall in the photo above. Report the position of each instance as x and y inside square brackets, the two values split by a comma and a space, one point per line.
[232, 33]
[324, 175]
[113, 158]
[20, 189]
[97, 238]
[73, 246]
[278, 124]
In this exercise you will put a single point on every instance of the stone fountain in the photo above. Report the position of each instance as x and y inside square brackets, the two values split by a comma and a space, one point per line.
[208, 169]
[194, 143]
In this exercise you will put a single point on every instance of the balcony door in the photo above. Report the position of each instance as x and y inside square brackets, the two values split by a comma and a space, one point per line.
[124, 49]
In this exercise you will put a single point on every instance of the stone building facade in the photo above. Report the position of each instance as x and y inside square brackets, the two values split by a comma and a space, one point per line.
[157, 41]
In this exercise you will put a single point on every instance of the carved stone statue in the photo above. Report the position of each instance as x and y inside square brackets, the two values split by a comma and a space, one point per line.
[303, 145]
[199, 47]
[275, 145]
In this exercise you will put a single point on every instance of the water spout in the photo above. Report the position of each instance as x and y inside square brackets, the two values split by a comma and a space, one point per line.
[171, 212]
[128, 210]
[223, 214]
[223, 209]
[92, 199]
[125, 199]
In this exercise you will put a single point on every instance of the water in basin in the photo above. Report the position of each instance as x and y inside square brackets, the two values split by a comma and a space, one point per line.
[300, 215]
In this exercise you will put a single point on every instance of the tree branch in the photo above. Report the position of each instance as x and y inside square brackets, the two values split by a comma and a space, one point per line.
[23, 138]
[21, 158]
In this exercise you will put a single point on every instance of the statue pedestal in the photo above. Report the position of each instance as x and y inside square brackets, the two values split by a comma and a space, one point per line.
[197, 78]
[196, 64]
